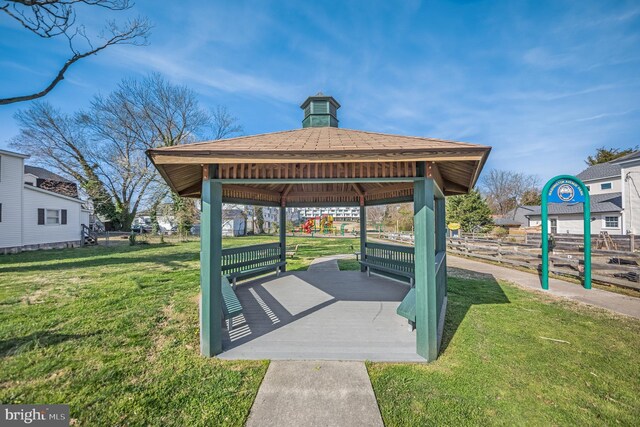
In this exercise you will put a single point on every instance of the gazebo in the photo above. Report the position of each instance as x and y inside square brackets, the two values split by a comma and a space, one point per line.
[324, 165]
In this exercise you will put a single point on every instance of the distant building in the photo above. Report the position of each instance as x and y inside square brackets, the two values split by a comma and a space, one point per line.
[614, 188]
[38, 209]
[233, 222]
[338, 213]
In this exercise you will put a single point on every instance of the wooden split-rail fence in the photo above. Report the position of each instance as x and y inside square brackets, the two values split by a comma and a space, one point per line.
[611, 267]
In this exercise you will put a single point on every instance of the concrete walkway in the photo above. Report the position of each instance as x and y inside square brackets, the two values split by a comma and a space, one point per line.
[305, 393]
[618, 303]
[327, 263]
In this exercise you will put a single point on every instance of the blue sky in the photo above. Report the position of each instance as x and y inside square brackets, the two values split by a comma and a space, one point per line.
[543, 82]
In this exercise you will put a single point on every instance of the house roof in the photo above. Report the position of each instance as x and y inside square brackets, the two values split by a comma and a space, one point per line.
[14, 154]
[611, 202]
[517, 215]
[51, 193]
[44, 173]
[629, 157]
[321, 153]
[600, 171]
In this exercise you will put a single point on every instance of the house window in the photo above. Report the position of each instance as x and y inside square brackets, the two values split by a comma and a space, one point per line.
[611, 221]
[588, 188]
[554, 226]
[53, 217]
[605, 186]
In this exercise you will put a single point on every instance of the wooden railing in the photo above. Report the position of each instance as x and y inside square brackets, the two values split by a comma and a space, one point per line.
[88, 237]
[250, 257]
[392, 257]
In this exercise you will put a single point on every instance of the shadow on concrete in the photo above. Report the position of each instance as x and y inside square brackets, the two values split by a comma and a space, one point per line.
[270, 303]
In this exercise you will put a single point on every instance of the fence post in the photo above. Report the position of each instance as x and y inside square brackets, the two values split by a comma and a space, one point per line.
[632, 242]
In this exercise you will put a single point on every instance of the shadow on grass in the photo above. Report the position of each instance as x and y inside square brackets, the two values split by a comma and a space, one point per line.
[13, 346]
[467, 288]
[103, 259]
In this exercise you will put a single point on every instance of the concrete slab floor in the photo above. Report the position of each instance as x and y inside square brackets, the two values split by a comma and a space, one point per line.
[321, 315]
[315, 393]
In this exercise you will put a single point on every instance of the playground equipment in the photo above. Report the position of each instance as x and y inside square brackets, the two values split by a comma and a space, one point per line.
[325, 223]
[309, 226]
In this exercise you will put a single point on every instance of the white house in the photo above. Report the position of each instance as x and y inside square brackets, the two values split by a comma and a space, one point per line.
[615, 200]
[37, 207]
[630, 182]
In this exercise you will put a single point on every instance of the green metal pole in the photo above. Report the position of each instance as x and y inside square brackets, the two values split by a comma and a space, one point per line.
[425, 283]
[544, 236]
[210, 265]
[587, 238]
[545, 230]
[363, 235]
[283, 236]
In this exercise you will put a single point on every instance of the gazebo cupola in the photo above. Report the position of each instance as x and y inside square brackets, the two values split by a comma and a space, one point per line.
[320, 111]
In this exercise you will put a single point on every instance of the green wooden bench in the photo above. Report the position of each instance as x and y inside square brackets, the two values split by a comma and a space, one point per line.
[249, 261]
[407, 308]
[390, 271]
[231, 306]
[256, 272]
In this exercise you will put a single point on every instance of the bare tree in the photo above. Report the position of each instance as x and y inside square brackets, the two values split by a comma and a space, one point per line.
[505, 189]
[376, 214]
[57, 18]
[108, 170]
[156, 113]
[224, 124]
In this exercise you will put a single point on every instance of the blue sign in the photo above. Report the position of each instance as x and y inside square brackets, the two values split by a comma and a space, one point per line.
[566, 191]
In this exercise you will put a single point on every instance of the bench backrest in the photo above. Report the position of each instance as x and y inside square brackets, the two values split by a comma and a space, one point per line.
[390, 258]
[252, 257]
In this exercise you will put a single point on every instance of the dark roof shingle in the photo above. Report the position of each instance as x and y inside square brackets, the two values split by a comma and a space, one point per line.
[42, 173]
[611, 202]
[600, 171]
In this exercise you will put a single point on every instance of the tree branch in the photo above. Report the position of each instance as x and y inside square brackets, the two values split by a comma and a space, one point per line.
[135, 32]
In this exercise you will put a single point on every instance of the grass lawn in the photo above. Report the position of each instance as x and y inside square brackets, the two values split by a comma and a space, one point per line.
[499, 366]
[113, 331]
[348, 265]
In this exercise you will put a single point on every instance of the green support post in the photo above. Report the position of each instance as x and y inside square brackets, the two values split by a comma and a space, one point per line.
[363, 235]
[425, 270]
[210, 264]
[544, 237]
[283, 236]
[441, 234]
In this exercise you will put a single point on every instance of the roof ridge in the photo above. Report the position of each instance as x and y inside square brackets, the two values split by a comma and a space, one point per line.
[231, 139]
[327, 129]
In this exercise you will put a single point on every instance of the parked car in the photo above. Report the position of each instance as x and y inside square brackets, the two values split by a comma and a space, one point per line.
[141, 229]
[195, 230]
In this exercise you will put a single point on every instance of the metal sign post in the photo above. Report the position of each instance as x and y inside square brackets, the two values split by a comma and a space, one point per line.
[566, 189]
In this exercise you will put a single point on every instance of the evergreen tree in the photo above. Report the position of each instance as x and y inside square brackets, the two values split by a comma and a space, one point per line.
[469, 210]
[604, 155]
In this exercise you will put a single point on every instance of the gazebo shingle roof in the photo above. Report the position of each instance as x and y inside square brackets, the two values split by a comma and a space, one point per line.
[322, 139]
[321, 153]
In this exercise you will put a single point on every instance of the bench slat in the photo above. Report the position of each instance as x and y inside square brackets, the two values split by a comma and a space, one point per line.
[407, 307]
[231, 306]
[255, 271]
